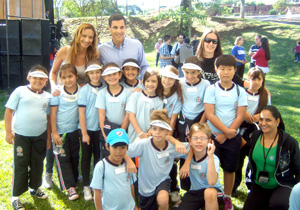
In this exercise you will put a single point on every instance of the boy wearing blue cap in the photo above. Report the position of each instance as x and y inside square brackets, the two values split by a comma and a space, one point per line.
[110, 179]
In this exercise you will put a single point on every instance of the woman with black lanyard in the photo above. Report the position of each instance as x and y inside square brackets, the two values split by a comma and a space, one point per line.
[274, 161]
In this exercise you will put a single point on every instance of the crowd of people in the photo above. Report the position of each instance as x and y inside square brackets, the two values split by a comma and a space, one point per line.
[196, 112]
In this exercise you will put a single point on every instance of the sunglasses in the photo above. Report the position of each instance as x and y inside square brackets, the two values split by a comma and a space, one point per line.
[208, 40]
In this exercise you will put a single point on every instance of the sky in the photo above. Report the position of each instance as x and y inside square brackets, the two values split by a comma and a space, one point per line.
[149, 4]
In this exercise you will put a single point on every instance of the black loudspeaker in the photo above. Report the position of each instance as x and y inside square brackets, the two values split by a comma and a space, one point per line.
[29, 61]
[15, 72]
[35, 37]
[14, 43]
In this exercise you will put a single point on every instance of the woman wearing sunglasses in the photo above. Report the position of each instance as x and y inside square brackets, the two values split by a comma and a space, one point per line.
[208, 50]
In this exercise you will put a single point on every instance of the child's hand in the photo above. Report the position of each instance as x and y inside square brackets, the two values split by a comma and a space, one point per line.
[48, 143]
[86, 139]
[249, 118]
[56, 138]
[231, 133]
[220, 137]
[255, 118]
[10, 137]
[180, 148]
[137, 90]
[55, 91]
[131, 168]
[184, 171]
[211, 149]
[144, 135]
[137, 208]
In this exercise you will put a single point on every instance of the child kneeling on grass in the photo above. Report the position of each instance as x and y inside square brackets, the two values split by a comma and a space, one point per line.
[113, 186]
[206, 189]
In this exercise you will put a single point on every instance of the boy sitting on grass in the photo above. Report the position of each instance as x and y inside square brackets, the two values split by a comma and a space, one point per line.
[113, 186]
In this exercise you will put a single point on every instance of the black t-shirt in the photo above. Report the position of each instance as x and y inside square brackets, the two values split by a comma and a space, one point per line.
[208, 72]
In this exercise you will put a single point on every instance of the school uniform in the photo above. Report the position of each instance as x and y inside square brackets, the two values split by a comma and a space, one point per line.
[226, 103]
[154, 167]
[115, 184]
[192, 107]
[30, 128]
[114, 106]
[142, 105]
[194, 198]
[138, 84]
[172, 104]
[87, 98]
[67, 119]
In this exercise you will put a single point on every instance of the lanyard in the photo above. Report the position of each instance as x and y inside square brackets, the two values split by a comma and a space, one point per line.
[265, 156]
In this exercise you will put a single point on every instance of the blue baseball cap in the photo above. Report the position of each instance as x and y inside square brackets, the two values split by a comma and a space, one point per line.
[118, 135]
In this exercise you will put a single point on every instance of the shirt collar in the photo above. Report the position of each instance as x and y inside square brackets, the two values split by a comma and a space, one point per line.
[111, 43]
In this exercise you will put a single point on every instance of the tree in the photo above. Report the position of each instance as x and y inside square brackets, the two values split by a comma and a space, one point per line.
[280, 5]
[242, 8]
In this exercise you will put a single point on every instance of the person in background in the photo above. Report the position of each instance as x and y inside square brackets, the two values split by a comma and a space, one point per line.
[184, 52]
[239, 53]
[157, 46]
[253, 49]
[164, 52]
[176, 47]
[297, 53]
[195, 44]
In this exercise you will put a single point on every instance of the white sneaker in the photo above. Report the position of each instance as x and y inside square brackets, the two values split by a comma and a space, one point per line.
[175, 196]
[295, 61]
[87, 193]
[17, 205]
[47, 181]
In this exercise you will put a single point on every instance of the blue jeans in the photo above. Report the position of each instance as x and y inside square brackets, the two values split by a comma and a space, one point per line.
[297, 57]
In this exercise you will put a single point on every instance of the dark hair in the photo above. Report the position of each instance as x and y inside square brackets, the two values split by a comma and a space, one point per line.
[183, 35]
[177, 86]
[68, 67]
[119, 144]
[194, 60]
[276, 114]
[187, 40]
[109, 64]
[225, 60]
[298, 42]
[200, 49]
[131, 60]
[259, 36]
[265, 47]
[159, 89]
[117, 17]
[167, 38]
[38, 67]
[254, 73]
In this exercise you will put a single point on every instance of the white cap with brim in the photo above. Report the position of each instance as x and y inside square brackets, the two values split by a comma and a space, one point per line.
[110, 70]
[38, 74]
[167, 73]
[131, 64]
[93, 67]
[161, 124]
[191, 66]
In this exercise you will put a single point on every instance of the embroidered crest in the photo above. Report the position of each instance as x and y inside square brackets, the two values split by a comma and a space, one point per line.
[198, 99]
[44, 105]
[171, 106]
[167, 160]
[123, 105]
[202, 175]
[19, 151]
[271, 157]
[119, 133]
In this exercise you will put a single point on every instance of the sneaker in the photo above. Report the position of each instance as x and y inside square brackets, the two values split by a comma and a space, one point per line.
[73, 194]
[295, 61]
[47, 181]
[175, 196]
[17, 205]
[87, 193]
[228, 204]
[38, 193]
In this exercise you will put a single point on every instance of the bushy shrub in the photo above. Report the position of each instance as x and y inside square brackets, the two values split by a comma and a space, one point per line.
[273, 12]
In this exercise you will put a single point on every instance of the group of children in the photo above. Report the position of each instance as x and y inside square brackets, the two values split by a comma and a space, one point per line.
[103, 111]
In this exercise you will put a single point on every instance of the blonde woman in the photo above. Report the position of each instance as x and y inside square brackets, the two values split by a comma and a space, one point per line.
[240, 56]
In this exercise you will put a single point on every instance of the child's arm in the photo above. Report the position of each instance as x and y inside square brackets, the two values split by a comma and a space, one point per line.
[101, 113]
[180, 148]
[98, 199]
[185, 169]
[82, 122]
[212, 175]
[125, 122]
[133, 195]
[48, 132]
[240, 116]
[203, 118]
[131, 168]
[210, 114]
[9, 135]
[173, 123]
[249, 118]
[55, 136]
[136, 126]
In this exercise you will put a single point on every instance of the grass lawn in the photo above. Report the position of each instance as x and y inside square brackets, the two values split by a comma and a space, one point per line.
[283, 82]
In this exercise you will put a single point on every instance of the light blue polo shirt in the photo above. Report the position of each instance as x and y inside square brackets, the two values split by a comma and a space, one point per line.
[115, 184]
[142, 105]
[87, 98]
[226, 103]
[31, 109]
[253, 101]
[198, 173]
[67, 117]
[114, 105]
[193, 96]
[172, 104]
[132, 87]
[154, 164]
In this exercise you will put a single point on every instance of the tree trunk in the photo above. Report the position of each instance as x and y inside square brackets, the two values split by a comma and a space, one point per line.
[242, 8]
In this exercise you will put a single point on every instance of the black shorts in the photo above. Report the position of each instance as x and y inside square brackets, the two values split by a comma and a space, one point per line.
[194, 199]
[149, 203]
[228, 153]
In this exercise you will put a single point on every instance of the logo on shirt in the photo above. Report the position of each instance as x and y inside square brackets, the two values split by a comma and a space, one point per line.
[19, 151]
[44, 105]
[151, 110]
[198, 99]
[167, 160]
[271, 157]
[236, 104]
[123, 105]
[202, 175]
[171, 106]
[128, 178]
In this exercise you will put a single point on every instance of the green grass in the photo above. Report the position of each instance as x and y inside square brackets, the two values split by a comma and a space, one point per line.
[283, 82]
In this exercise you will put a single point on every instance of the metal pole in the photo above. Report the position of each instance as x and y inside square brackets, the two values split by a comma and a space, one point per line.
[7, 47]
